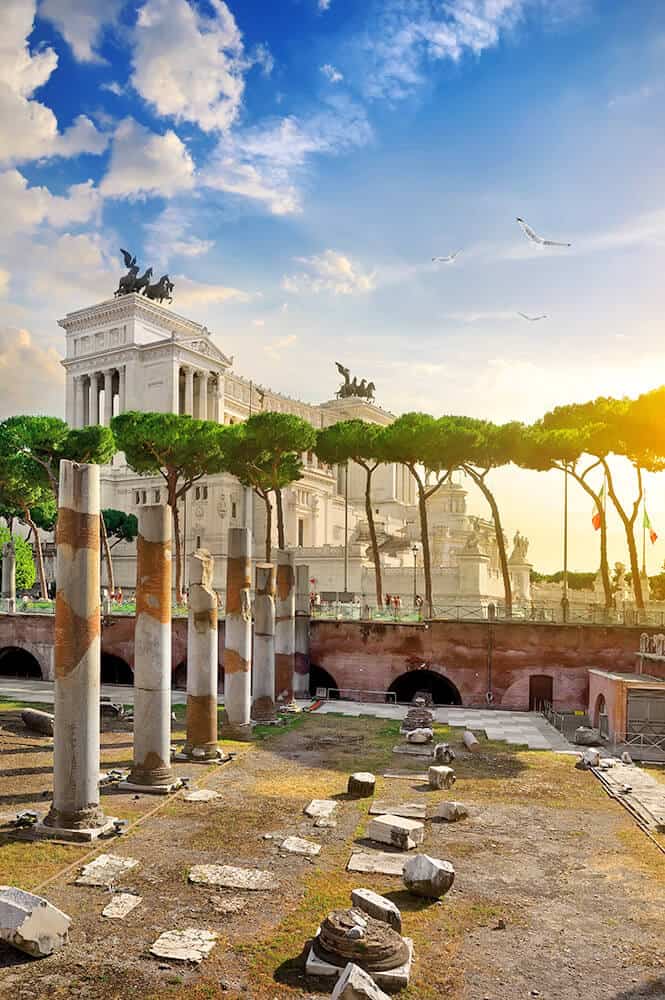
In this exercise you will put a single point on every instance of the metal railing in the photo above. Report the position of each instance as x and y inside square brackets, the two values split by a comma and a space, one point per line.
[358, 694]
[565, 722]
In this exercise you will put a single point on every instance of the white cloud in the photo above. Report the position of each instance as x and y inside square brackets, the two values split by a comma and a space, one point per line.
[275, 349]
[187, 65]
[113, 88]
[80, 23]
[29, 129]
[145, 163]
[329, 272]
[193, 293]
[31, 376]
[324, 4]
[4, 282]
[633, 97]
[333, 74]
[263, 57]
[267, 186]
[169, 235]
[22, 207]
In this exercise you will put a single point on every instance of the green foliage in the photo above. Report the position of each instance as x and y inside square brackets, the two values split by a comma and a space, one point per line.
[120, 526]
[170, 445]
[351, 440]
[26, 573]
[576, 581]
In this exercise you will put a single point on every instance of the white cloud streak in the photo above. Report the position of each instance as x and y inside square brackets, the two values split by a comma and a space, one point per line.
[80, 22]
[329, 272]
[145, 163]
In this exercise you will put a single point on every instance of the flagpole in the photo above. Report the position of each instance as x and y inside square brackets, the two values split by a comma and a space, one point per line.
[644, 533]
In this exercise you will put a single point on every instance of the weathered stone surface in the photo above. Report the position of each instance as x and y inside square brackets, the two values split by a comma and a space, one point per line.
[376, 862]
[121, 905]
[378, 907]
[450, 812]
[30, 923]
[587, 737]
[321, 808]
[418, 717]
[415, 749]
[440, 776]
[190, 945]
[351, 936]
[325, 823]
[356, 984]
[443, 753]
[297, 845]
[411, 810]
[429, 877]
[420, 736]
[202, 795]
[361, 784]
[229, 877]
[227, 905]
[470, 741]
[397, 831]
[105, 870]
[40, 722]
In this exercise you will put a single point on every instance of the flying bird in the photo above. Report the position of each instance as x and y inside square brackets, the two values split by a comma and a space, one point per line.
[532, 319]
[446, 260]
[535, 238]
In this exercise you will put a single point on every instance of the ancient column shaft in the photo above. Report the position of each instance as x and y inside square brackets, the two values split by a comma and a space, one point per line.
[301, 672]
[238, 635]
[202, 659]
[263, 661]
[152, 650]
[77, 653]
[285, 636]
[9, 574]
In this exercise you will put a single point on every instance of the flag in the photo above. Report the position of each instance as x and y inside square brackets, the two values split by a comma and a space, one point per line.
[647, 524]
[595, 518]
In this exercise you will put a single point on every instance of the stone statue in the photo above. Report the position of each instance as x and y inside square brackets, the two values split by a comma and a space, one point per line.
[132, 283]
[620, 585]
[520, 548]
[351, 388]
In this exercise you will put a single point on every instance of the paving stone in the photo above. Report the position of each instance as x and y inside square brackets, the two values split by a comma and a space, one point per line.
[30, 923]
[105, 870]
[296, 845]
[376, 862]
[325, 823]
[410, 810]
[228, 905]
[121, 905]
[321, 808]
[378, 906]
[397, 831]
[202, 795]
[190, 945]
[228, 877]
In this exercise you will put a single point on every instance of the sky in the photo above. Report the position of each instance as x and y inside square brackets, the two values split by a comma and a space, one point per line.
[294, 167]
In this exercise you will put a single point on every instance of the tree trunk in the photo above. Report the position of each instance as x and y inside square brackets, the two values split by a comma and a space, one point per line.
[281, 543]
[604, 565]
[40, 556]
[107, 555]
[173, 501]
[629, 528]
[500, 541]
[372, 534]
[268, 537]
[424, 532]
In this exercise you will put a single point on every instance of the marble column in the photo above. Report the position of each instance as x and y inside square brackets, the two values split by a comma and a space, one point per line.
[301, 667]
[9, 575]
[202, 660]
[122, 389]
[189, 391]
[263, 660]
[108, 398]
[203, 396]
[238, 636]
[75, 813]
[87, 389]
[95, 416]
[285, 638]
[151, 771]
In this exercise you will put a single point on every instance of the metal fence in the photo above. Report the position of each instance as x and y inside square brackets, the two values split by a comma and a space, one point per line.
[357, 695]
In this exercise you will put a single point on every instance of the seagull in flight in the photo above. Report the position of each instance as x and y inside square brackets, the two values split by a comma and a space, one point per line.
[535, 238]
[447, 260]
[532, 319]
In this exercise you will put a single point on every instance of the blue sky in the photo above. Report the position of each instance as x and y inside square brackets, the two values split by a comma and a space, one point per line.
[294, 166]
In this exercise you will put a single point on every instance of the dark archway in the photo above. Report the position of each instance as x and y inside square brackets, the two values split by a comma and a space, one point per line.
[115, 670]
[541, 691]
[180, 676]
[320, 678]
[17, 662]
[407, 686]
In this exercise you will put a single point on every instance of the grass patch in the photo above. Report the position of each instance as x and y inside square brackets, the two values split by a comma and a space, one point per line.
[27, 865]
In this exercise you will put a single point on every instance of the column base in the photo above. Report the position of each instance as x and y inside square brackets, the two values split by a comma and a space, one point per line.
[263, 710]
[166, 789]
[200, 755]
[230, 731]
[42, 832]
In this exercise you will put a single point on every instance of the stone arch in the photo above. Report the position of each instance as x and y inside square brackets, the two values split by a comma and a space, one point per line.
[600, 708]
[180, 676]
[319, 677]
[443, 691]
[115, 670]
[17, 661]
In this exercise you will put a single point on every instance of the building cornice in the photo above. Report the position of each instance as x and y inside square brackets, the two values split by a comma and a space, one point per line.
[129, 306]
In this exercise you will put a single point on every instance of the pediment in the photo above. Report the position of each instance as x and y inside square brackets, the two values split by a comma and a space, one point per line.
[204, 346]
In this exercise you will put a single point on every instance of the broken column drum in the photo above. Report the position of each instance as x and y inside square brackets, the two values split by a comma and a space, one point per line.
[285, 625]
[238, 635]
[263, 665]
[202, 660]
[377, 948]
[301, 661]
[77, 654]
[9, 574]
[152, 651]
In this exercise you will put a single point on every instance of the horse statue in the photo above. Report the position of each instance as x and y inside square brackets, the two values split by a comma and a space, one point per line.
[127, 282]
[143, 281]
[351, 388]
[160, 291]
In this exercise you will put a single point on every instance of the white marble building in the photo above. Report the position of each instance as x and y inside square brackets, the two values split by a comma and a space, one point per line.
[132, 354]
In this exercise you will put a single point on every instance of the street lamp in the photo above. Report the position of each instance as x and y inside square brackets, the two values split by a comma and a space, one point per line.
[414, 549]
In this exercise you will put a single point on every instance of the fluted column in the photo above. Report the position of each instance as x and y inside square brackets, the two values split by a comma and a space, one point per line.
[203, 396]
[219, 403]
[263, 660]
[202, 656]
[189, 391]
[80, 386]
[285, 639]
[122, 389]
[238, 636]
[108, 398]
[95, 416]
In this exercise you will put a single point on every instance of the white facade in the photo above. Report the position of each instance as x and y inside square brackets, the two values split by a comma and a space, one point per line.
[132, 354]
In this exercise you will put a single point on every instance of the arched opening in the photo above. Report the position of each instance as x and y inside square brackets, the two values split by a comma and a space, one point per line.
[541, 692]
[442, 691]
[600, 718]
[320, 678]
[116, 671]
[180, 676]
[17, 662]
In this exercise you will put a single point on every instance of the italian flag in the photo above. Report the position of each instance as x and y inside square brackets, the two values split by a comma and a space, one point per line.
[596, 517]
[649, 527]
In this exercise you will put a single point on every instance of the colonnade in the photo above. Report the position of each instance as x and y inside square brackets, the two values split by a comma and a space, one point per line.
[200, 393]
[89, 407]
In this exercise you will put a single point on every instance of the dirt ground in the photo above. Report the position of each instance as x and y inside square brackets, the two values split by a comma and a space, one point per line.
[557, 894]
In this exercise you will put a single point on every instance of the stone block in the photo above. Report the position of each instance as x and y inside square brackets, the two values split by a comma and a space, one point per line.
[420, 736]
[411, 810]
[470, 741]
[202, 795]
[450, 812]
[356, 984]
[105, 870]
[121, 905]
[378, 907]
[587, 737]
[228, 877]
[428, 877]
[376, 863]
[440, 776]
[405, 834]
[361, 785]
[321, 808]
[296, 845]
[190, 945]
[391, 980]
[443, 753]
[30, 923]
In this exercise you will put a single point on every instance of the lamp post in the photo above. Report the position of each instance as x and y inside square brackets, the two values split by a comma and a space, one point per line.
[414, 549]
